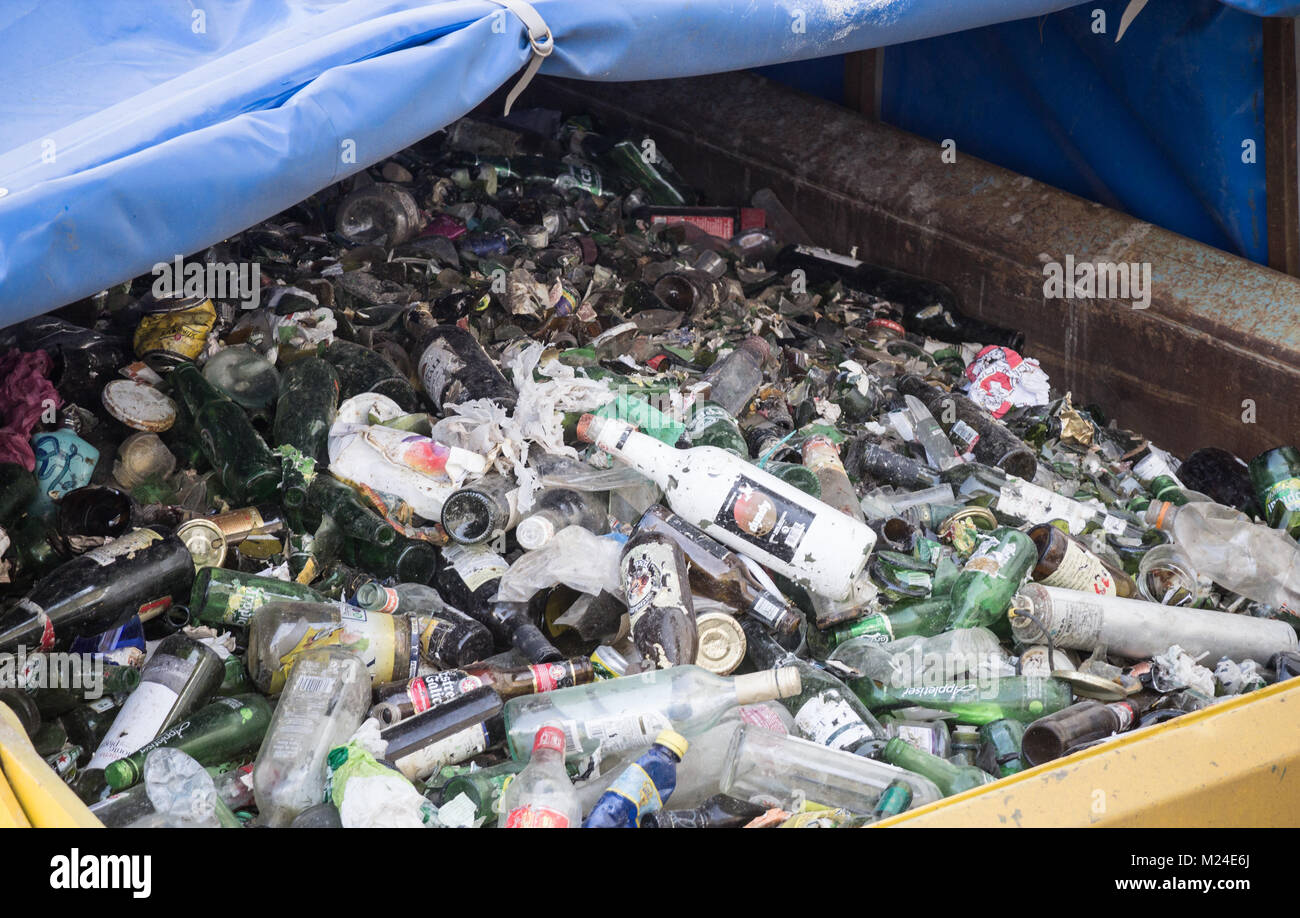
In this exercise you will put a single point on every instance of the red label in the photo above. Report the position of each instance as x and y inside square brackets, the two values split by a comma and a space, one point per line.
[722, 227]
[752, 218]
[549, 738]
[547, 676]
[536, 817]
[161, 605]
[47, 635]
[887, 323]
[419, 693]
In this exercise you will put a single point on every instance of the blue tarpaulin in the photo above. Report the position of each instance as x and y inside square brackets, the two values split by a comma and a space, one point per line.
[134, 131]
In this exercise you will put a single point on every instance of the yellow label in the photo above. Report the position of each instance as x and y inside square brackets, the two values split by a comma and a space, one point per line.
[370, 637]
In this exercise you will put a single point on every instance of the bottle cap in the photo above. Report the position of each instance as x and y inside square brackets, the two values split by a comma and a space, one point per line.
[722, 642]
[549, 738]
[139, 406]
[674, 741]
[206, 542]
[584, 430]
[534, 532]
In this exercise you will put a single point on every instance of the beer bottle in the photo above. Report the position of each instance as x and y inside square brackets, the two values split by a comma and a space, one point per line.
[556, 508]
[395, 701]
[483, 510]
[329, 495]
[1079, 725]
[309, 397]
[453, 365]
[542, 796]
[982, 592]
[361, 369]
[991, 442]
[228, 599]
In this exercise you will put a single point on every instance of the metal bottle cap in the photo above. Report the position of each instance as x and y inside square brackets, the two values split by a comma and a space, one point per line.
[139, 406]
[206, 542]
[722, 643]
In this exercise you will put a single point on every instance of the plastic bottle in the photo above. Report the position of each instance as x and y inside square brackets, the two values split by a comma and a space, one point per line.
[324, 701]
[542, 796]
[643, 788]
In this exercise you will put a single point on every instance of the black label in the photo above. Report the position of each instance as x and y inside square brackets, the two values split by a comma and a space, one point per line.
[764, 518]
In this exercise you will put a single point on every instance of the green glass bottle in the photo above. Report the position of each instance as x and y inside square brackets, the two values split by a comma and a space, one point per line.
[894, 799]
[795, 474]
[1276, 477]
[949, 778]
[53, 702]
[249, 472]
[483, 787]
[901, 576]
[228, 599]
[406, 560]
[661, 184]
[309, 397]
[713, 425]
[983, 590]
[999, 752]
[329, 495]
[1022, 698]
[1164, 487]
[222, 730]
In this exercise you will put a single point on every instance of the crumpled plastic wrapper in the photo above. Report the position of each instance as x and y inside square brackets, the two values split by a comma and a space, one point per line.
[370, 795]
[1000, 379]
[1177, 669]
[25, 389]
[1238, 677]
[484, 427]
[575, 557]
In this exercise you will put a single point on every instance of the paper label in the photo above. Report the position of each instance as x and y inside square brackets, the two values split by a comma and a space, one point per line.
[475, 567]
[763, 518]
[457, 748]
[438, 367]
[371, 637]
[1284, 496]
[1124, 711]
[136, 724]
[649, 573]
[1029, 502]
[1076, 625]
[616, 732]
[964, 434]
[991, 557]
[762, 716]
[921, 738]
[829, 720]
[131, 542]
[439, 688]
[1081, 570]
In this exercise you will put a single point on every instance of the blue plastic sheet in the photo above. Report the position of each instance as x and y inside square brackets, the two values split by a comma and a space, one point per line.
[134, 131]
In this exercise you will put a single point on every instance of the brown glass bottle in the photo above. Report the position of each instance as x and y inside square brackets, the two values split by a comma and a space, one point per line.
[397, 700]
[1065, 562]
[718, 573]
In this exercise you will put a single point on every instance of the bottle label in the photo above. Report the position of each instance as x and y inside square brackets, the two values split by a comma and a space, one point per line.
[616, 732]
[242, 603]
[1113, 525]
[922, 738]
[764, 518]
[475, 567]
[390, 601]
[579, 176]
[965, 435]
[1153, 466]
[1076, 625]
[829, 720]
[1081, 570]
[457, 748]
[636, 786]
[136, 724]
[1027, 501]
[131, 542]
[991, 556]
[877, 627]
[438, 366]
[1282, 496]
[768, 609]
[1124, 711]
[371, 637]
[547, 677]
[650, 578]
[439, 688]
[536, 817]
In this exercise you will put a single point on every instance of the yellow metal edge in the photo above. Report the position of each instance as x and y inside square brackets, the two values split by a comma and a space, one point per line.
[45, 799]
[1236, 763]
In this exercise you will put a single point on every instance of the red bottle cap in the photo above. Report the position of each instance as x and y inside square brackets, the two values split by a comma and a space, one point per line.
[549, 738]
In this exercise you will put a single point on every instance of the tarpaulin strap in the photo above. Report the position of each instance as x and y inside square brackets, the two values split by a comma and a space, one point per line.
[539, 36]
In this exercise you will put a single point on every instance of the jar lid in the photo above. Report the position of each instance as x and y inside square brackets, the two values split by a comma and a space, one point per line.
[139, 406]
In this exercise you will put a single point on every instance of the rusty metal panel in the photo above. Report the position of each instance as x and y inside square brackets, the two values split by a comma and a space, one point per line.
[1213, 361]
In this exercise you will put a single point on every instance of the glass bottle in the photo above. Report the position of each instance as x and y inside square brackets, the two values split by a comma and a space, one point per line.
[659, 602]
[542, 796]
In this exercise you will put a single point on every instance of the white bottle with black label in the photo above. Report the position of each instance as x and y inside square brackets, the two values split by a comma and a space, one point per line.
[743, 507]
